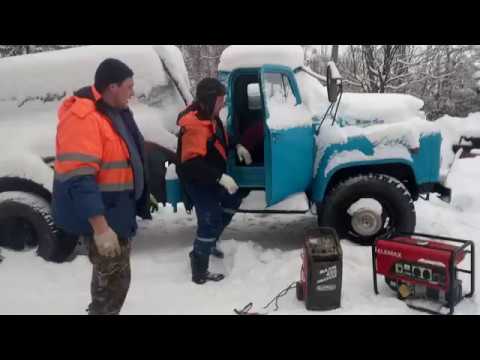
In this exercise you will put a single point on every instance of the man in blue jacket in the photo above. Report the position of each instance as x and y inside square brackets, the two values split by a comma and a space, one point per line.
[100, 183]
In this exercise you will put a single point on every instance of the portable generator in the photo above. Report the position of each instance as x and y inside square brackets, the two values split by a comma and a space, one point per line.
[423, 269]
[320, 284]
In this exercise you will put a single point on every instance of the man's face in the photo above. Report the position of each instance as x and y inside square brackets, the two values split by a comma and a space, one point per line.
[219, 104]
[122, 93]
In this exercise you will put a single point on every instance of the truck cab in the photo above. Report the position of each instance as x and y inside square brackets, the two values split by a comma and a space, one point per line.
[270, 95]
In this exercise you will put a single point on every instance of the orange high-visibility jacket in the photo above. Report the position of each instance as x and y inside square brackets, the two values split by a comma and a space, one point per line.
[94, 169]
[203, 145]
[87, 144]
[196, 135]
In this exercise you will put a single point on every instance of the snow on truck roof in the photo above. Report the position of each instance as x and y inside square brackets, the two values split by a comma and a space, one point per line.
[60, 71]
[253, 56]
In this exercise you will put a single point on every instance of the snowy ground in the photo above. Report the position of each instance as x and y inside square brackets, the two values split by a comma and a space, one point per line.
[262, 258]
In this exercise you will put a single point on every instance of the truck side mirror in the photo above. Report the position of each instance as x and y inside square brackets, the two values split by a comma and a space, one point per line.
[333, 82]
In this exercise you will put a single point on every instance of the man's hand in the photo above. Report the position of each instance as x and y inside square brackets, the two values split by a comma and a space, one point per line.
[107, 244]
[153, 204]
[243, 154]
[228, 183]
[105, 238]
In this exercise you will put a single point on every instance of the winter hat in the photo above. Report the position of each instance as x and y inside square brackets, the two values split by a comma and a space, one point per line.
[207, 91]
[111, 71]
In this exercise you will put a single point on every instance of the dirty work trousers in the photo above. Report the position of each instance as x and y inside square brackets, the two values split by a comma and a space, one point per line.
[215, 208]
[110, 279]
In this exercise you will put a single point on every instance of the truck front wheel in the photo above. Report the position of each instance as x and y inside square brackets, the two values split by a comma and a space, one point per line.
[365, 207]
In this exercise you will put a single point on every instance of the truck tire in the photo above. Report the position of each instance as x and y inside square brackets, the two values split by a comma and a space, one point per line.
[397, 208]
[58, 249]
[26, 221]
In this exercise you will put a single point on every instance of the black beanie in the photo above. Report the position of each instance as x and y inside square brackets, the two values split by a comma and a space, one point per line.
[111, 71]
[207, 91]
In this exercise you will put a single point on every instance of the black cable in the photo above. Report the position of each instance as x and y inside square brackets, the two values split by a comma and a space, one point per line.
[280, 294]
[246, 309]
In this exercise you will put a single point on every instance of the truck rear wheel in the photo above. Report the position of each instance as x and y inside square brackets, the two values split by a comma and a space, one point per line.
[365, 207]
[26, 221]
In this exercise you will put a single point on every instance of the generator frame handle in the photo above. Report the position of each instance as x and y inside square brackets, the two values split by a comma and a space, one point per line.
[374, 267]
[452, 269]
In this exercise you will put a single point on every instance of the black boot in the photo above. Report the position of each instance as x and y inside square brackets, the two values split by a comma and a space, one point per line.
[200, 274]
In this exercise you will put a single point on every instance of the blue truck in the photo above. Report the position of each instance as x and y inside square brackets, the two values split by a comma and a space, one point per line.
[361, 181]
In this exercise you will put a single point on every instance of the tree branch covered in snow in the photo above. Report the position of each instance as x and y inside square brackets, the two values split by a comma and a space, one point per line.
[380, 68]
[13, 50]
[442, 75]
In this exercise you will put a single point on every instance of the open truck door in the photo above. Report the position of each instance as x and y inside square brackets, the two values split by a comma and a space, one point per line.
[289, 140]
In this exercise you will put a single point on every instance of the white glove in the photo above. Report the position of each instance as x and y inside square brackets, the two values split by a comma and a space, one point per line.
[107, 244]
[243, 154]
[228, 183]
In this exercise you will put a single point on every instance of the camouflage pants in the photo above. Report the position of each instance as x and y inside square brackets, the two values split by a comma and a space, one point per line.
[110, 280]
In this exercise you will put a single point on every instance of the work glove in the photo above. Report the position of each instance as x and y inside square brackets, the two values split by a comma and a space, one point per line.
[153, 204]
[228, 183]
[107, 243]
[243, 154]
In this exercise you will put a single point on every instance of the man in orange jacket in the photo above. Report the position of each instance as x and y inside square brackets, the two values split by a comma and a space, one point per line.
[100, 183]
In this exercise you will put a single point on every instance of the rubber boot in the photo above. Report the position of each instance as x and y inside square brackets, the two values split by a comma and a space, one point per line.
[200, 273]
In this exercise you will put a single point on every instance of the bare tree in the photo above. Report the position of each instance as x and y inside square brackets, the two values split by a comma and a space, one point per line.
[454, 94]
[394, 68]
[441, 75]
[13, 50]
[335, 53]
[201, 60]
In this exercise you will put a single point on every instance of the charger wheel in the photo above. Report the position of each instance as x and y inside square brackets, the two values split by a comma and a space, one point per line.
[300, 292]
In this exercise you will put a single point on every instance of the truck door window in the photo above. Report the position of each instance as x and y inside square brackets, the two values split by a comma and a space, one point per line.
[254, 97]
[278, 90]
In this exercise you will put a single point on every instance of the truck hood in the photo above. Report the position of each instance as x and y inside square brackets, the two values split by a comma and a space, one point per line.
[360, 109]
[368, 109]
